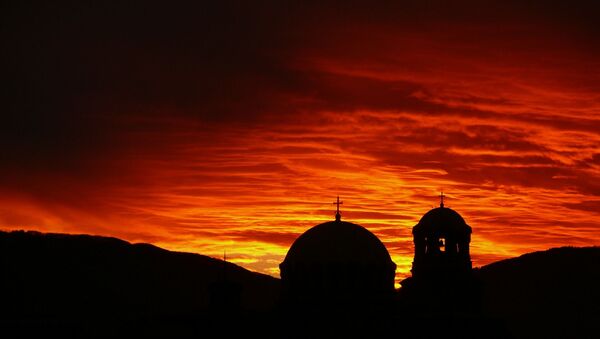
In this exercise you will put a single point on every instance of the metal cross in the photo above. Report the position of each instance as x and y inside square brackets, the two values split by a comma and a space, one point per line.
[338, 216]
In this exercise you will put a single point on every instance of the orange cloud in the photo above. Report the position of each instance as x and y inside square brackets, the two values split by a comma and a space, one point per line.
[240, 139]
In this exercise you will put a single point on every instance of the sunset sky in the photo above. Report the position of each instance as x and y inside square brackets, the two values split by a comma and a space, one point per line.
[234, 126]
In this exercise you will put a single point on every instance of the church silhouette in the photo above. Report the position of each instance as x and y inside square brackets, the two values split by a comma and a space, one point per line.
[342, 266]
[337, 264]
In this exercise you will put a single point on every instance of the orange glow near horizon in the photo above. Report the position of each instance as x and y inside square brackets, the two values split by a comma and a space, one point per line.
[506, 121]
[254, 194]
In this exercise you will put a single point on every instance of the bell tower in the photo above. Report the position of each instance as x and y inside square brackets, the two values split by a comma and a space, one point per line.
[441, 269]
[441, 239]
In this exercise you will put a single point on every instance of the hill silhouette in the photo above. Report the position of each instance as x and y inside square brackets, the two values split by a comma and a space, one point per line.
[88, 282]
[95, 286]
[549, 294]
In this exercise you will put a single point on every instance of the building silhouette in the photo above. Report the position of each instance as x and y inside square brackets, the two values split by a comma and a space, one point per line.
[441, 241]
[339, 265]
[442, 280]
[343, 266]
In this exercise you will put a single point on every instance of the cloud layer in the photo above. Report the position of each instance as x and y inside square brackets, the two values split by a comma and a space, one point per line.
[233, 126]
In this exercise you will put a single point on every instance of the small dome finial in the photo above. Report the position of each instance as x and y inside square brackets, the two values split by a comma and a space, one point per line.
[442, 199]
[338, 216]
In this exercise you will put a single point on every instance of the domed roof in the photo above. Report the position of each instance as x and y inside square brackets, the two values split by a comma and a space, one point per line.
[442, 220]
[338, 242]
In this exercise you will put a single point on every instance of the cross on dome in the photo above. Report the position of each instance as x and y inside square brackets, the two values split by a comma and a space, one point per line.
[338, 216]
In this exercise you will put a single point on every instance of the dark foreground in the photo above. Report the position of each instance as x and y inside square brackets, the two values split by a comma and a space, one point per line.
[84, 286]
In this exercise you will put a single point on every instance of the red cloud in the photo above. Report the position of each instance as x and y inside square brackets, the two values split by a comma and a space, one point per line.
[238, 137]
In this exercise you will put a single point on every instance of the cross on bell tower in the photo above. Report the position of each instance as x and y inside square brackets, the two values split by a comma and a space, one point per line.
[338, 216]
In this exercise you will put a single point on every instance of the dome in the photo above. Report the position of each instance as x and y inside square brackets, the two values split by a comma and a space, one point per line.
[338, 242]
[337, 263]
[442, 220]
